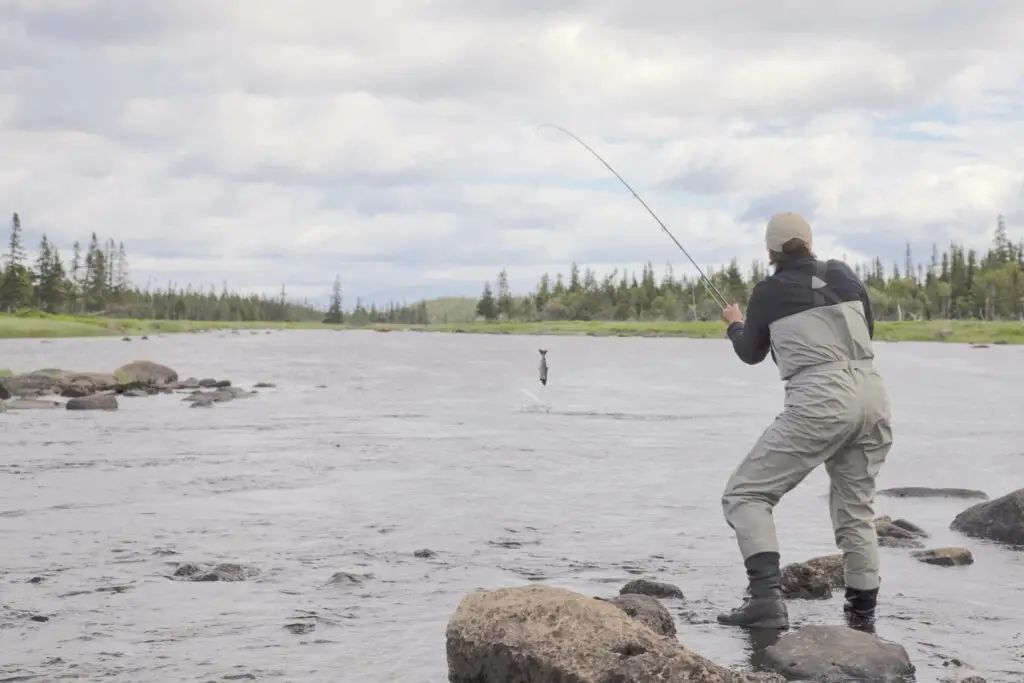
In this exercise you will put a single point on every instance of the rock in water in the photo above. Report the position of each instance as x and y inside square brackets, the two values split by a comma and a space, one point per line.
[835, 653]
[226, 571]
[94, 402]
[541, 634]
[656, 589]
[28, 385]
[898, 533]
[145, 372]
[814, 579]
[927, 492]
[999, 520]
[945, 557]
[648, 611]
[31, 404]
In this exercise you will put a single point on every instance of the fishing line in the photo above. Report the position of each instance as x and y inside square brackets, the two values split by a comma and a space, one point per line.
[720, 300]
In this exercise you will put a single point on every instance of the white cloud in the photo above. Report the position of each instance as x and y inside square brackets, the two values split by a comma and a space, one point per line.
[396, 142]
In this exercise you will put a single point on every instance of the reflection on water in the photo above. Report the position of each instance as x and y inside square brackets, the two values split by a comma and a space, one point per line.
[424, 466]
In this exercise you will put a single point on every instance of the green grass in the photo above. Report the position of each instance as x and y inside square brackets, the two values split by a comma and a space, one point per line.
[38, 325]
[971, 332]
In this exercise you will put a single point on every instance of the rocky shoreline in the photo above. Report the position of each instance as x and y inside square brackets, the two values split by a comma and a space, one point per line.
[44, 389]
[544, 634]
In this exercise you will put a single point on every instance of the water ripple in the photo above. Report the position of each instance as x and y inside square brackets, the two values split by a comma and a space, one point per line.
[388, 475]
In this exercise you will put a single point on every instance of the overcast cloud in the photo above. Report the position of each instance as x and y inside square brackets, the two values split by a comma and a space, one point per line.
[395, 141]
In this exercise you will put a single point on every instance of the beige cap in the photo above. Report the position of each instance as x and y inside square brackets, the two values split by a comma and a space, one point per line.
[786, 226]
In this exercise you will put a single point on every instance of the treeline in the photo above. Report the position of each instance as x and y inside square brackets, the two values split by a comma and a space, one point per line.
[402, 314]
[957, 283]
[96, 282]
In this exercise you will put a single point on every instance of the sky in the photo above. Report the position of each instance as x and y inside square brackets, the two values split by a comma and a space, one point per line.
[395, 143]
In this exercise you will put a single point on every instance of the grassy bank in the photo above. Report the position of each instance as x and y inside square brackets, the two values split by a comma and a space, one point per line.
[53, 326]
[972, 332]
[44, 326]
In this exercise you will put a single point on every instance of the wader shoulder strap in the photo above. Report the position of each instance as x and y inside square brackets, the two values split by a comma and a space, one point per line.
[823, 294]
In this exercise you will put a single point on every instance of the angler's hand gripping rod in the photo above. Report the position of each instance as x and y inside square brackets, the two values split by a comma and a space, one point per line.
[720, 300]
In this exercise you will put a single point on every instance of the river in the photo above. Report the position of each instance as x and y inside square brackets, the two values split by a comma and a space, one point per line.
[373, 446]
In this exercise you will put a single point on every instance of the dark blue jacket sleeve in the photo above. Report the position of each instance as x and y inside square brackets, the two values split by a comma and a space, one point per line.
[751, 339]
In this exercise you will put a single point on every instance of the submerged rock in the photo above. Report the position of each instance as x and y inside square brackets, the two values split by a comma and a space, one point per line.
[541, 634]
[190, 571]
[1000, 520]
[94, 402]
[655, 589]
[206, 399]
[899, 533]
[962, 673]
[835, 653]
[926, 492]
[945, 557]
[813, 579]
[31, 404]
[347, 579]
[647, 610]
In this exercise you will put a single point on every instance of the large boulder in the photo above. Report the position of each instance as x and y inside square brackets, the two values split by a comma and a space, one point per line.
[999, 520]
[541, 634]
[145, 372]
[835, 653]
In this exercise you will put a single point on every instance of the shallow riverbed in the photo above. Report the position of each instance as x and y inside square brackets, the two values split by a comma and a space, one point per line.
[375, 445]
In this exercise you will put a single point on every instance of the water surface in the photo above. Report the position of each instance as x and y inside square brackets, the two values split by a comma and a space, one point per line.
[374, 445]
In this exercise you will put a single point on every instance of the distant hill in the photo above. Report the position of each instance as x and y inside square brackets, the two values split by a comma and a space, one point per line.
[451, 309]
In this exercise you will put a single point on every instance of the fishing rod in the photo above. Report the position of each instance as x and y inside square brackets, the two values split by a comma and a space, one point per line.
[719, 299]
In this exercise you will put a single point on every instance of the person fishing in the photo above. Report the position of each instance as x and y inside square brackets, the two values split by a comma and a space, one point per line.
[815, 318]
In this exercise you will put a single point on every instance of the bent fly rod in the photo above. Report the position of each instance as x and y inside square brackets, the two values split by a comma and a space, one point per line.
[720, 300]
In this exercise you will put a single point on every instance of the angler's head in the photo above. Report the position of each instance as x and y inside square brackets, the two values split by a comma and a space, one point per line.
[788, 238]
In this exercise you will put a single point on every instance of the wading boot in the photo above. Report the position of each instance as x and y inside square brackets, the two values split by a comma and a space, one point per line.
[763, 607]
[859, 609]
